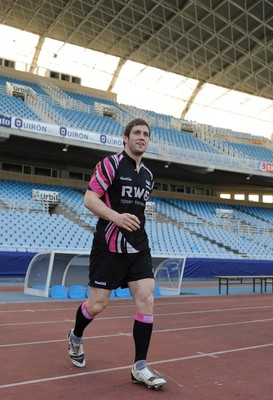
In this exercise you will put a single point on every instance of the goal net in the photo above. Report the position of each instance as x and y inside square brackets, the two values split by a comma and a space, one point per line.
[169, 276]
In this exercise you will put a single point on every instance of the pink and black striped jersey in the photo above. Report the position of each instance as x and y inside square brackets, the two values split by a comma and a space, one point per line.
[125, 190]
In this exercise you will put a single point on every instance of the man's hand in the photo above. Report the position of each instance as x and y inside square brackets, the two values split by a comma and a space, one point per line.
[127, 221]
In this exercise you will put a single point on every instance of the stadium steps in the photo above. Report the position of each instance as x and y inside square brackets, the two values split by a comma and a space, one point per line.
[3, 206]
[213, 241]
[61, 209]
[263, 220]
[178, 225]
[192, 232]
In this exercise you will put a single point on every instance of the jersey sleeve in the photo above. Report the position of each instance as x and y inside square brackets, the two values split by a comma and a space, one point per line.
[103, 175]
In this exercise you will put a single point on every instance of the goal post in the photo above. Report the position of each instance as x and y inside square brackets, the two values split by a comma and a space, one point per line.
[169, 276]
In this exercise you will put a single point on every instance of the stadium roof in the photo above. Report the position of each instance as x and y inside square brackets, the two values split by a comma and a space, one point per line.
[199, 43]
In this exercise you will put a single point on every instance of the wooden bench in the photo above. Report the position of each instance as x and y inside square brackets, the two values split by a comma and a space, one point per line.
[226, 280]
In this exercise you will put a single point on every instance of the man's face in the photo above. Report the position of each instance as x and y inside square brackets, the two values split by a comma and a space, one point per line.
[138, 140]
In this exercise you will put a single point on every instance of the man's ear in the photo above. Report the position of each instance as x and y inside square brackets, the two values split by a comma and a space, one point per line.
[125, 138]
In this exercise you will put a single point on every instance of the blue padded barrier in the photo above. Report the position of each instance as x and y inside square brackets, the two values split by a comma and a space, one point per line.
[14, 264]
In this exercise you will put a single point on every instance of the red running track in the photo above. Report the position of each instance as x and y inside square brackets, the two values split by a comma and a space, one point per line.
[208, 348]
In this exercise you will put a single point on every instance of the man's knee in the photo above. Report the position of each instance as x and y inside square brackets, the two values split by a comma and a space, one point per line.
[144, 299]
[97, 301]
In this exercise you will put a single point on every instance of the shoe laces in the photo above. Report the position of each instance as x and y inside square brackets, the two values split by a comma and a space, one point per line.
[147, 374]
[76, 348]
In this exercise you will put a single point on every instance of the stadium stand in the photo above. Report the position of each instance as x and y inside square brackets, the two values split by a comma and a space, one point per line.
[177, 227]
[255, 152]
[15, 106]
[180, 139]
[79, 111]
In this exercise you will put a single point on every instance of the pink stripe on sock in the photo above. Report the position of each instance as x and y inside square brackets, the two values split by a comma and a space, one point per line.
[145, 318]
[85, 312]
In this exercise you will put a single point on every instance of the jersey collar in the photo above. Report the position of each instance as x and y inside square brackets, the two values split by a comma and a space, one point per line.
[130, 159]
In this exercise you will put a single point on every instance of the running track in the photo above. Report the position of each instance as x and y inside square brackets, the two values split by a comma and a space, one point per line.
[208, 348]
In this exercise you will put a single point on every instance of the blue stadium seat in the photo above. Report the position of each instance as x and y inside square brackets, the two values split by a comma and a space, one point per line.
[123, 292]
[58, 292]
[156, 291]
[112, 295]
[76, 292]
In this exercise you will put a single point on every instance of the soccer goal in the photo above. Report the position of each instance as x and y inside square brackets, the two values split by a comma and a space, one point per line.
[169, 275]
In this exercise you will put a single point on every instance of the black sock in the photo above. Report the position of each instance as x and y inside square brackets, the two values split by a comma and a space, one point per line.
[142, 333]
[81, 322]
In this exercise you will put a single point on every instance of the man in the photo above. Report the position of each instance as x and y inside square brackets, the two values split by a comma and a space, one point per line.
[120, 255]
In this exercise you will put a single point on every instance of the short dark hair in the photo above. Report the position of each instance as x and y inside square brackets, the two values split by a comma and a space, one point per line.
[131, 124]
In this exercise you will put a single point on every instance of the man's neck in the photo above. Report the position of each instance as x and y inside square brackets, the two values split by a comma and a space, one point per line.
[134, 157]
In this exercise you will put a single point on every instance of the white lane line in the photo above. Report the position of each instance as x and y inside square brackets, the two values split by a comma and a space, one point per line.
[221, 310]
[188, 328]
[207, 354]
[171, 360]
[158, 303]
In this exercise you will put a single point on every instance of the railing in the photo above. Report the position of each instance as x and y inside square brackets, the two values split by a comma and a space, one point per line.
[45, 109]
[236, 226]
[26, 205]
[162, 254]
[213, 159]
[64, 100]
[45, 106]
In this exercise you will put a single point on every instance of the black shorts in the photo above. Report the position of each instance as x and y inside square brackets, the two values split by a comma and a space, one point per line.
[112, 270]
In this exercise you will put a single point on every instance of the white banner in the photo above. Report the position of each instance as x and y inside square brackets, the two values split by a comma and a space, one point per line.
[266, 167]
[105, 109]
[222, 213]
[45, 195]
[64, 132]
[17, 88]
[150, 206]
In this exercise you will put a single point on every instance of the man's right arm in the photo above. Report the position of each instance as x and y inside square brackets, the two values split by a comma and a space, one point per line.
[127, 221]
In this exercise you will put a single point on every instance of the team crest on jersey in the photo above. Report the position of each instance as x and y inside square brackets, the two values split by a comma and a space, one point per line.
[148, 184]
